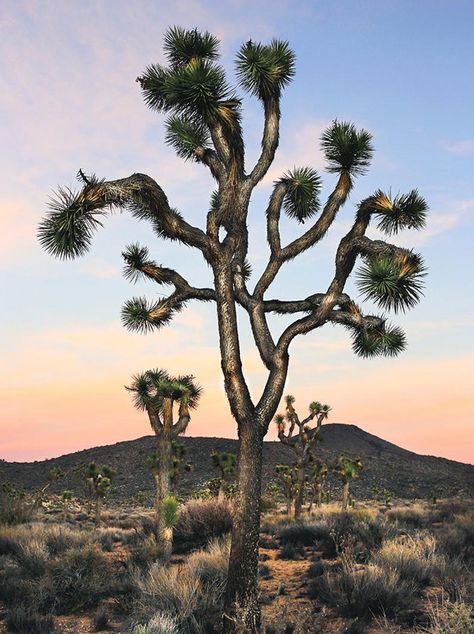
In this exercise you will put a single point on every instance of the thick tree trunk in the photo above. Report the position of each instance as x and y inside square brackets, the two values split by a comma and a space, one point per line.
[241, 609]
[167, 536]
[345, 495]
[320, 494]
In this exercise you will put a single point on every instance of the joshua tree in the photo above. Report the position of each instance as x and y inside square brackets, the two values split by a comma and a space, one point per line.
[287, 476]
[157, 392]
[178, 465]
[66, 497]
[317, 478]
[225, 463]
[346, 470]
[303, 442]
[204, 125]
[99, 480]
[170, 516]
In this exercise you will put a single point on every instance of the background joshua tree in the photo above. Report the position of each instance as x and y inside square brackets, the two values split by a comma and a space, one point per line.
[178, 467]
[287, 477]
[346, 469]
[316, 480]
[156, 392]
[225, 463]
[302, 443]
[66, 497]
[204, 125]
[99, 481]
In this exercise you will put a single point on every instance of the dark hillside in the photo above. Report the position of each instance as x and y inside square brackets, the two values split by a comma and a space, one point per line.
[404, 473]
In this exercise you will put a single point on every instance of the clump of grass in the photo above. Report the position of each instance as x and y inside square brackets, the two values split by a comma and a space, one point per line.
[24, 620]
[457, 539]
[364, 592]
[160, 623]
[300, 534]
[292, 552]
[450, 617]
[414, 558]
[414, 516]
[192, 595]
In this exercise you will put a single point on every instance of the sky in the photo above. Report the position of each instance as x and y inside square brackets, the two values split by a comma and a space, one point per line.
[68, 100]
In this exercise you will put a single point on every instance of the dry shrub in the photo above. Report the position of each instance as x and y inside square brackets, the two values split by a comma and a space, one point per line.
[365, 592]
[24, 620]
[457, 539]
[414, 558]
[414, 516]
[192, 594]
[449, 617]
[201, 520]
[159, 624]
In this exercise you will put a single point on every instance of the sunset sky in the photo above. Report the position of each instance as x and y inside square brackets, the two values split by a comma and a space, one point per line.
[69, 100]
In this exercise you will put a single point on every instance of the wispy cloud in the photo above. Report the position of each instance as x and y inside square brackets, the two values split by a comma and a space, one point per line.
[465, 146]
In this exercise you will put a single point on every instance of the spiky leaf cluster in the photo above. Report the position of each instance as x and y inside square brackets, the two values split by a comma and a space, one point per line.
[393, 282]
[347, 468]
[170, 511]
[264, 70]
[136, 257]
[185, 46]
[386, 341]
[141, 315]
[198, 89]
[186, 134]
[302, 196]
[150, 388]
[69, 225]
[405, 211]
[347, 149]
[224, 461]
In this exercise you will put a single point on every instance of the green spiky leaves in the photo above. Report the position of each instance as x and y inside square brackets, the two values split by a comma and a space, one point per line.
[67, 230]
[151, 387]
[405, 211]
[185, 46]
[136, 258]
[186, 135]
[302, 197]
[265, 70]
[387, 341]
[170, 512]
[196, 90]
[347, 149]
[140, 315]
[393, 282]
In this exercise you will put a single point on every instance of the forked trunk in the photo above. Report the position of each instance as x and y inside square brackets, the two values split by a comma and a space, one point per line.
[345, 495]
[241, 609]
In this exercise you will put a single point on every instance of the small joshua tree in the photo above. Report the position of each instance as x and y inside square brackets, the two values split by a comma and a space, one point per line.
[169, 519]
[66, 497]
[156, 392]
[225, 463]
[316, 481]
[346, 469]
[99, 480]
[204, 124]
[302, 442]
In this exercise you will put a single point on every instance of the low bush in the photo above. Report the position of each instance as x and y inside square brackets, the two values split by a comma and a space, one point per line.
[451, 618]
[300, 534]
[24, 620]
[159, 624]
[414, 516]
[292, 552]
[210, 565]
[201, 520]
[364, 593]
[457, 539]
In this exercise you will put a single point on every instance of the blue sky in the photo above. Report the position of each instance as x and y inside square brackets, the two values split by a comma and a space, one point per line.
[68, 99]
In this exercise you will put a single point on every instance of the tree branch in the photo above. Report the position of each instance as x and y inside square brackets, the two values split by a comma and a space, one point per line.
[269, 141]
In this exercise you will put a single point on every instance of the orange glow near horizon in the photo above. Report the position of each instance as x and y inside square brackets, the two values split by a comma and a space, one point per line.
[55, 418]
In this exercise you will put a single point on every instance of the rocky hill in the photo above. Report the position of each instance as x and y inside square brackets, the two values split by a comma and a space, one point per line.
[404, 473]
